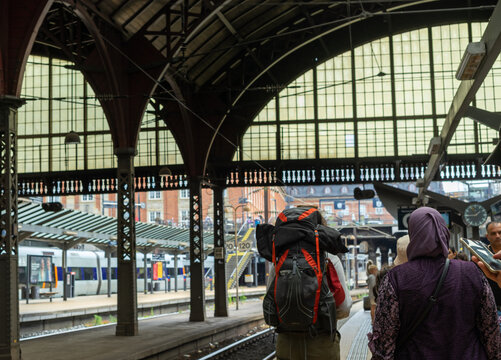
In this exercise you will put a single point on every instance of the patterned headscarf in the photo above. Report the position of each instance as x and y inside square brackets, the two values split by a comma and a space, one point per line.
[429, 235]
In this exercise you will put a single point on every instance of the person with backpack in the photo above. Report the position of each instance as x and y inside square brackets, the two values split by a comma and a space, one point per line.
[306, 292]
[433, 307]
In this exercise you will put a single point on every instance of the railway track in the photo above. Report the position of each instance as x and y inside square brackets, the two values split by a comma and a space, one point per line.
[250, 347]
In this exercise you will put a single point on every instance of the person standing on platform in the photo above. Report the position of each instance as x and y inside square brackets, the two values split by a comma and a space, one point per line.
[371, 282]
[314, 344]
[493, 235]
[460, 322]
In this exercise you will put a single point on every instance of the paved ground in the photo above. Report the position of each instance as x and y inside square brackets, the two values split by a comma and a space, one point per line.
[170, 331]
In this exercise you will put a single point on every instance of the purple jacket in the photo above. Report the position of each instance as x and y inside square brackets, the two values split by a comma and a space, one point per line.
[450, 330]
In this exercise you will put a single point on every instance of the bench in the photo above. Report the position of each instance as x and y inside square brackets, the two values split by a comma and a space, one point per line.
[48, 294]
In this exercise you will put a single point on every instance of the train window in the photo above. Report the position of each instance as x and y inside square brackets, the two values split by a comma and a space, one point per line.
[140, 274]
[84, 273]
[171, 271]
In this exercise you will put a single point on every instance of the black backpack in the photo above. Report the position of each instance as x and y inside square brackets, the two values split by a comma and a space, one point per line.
[299, 298]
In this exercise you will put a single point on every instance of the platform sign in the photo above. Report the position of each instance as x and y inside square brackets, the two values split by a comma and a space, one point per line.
[339, 204]
[158, 257]
[404, 214]
[403, 218]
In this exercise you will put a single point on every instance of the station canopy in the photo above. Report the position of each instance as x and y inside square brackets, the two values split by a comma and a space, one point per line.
[71, 227]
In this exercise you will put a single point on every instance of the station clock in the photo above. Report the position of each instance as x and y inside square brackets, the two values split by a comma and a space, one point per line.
[475, 215]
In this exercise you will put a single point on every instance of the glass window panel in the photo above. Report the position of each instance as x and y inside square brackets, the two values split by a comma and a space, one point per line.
[334, 88]
[169, 151]
[34, 155]
[413, 136]
[146, 145]
[463, 140]
[336, 140]
[298, 141]
[259, 143]
[296, 100]
[100, 151]
[375, 138]
[68, 105]
[268, 113]
[373, 80]
[449, 43]
[412, 73]
[487, 136]
[96, 120]
[33, 118]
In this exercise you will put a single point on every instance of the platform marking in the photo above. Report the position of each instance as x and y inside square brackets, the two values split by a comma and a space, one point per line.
[360, 345]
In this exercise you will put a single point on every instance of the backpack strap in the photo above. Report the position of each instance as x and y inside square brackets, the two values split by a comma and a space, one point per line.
[306, 213]
[431, 301]
[318, 272]
[277, 270]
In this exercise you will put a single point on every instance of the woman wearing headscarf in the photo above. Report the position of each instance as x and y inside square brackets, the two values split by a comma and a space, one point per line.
[461, 324]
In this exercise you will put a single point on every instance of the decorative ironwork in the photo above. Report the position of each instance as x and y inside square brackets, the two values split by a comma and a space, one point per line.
[315, 172]
[9, 337]
[221, 302]
[196, 252]
[126, 245]
[96, 182]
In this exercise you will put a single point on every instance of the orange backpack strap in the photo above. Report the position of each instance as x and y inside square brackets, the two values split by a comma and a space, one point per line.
[316, 266]
[306, 213]
[277, 269]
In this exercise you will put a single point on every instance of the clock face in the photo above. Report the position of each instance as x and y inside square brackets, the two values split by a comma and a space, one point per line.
[475, 215]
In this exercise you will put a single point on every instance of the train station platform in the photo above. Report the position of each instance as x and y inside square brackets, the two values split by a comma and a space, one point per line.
[167, 336]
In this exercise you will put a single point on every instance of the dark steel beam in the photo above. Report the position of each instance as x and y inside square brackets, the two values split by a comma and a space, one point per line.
[465, 95]
[126, 246]
[220, 289]
[9, 242]
[197, 280]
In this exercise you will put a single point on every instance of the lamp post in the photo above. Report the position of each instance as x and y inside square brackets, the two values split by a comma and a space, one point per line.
[245, 208]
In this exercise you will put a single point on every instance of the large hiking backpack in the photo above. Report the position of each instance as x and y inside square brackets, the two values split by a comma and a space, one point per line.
[299, 298]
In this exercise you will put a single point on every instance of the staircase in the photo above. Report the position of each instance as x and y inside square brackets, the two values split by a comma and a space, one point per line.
[244, 257]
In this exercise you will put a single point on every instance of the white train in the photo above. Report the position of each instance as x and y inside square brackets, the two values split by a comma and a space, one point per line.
[88, 270]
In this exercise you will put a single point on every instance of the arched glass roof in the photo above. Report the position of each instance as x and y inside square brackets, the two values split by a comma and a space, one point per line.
[60, 100]
[386, 98]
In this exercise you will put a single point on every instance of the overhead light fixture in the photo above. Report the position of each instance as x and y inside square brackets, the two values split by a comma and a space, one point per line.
[475, 52]
[72, 138]
[70, 233]
[434, 146]
[165, 171]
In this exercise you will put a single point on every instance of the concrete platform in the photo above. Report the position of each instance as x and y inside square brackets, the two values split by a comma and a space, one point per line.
[354, 341]
[167, 336]
[163, 337]
[41, 315]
